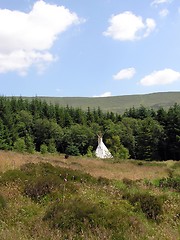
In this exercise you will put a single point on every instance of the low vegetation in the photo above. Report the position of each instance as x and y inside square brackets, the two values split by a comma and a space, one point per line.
[48, 197]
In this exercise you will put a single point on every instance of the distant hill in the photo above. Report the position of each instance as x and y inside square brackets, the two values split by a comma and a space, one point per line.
[118, 104]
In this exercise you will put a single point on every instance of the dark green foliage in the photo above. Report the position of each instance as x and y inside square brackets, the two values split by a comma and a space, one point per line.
[43, 149]
[150, 205]
[72, 150]
[19, 145]
[117, 149]
[52, 146]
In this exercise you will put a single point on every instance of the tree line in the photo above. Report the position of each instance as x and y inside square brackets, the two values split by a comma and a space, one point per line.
[141, 133]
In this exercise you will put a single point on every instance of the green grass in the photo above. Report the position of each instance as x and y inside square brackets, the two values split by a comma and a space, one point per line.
[118, 104]
[46, 202]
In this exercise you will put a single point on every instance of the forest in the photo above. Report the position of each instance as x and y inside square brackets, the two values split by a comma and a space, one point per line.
[139, 133]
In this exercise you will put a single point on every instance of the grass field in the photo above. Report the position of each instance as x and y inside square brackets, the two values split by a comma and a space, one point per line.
[47, 197]
[96, 167]
[118, 104]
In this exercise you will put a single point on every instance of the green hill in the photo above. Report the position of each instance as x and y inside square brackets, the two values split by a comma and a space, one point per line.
[119, 104]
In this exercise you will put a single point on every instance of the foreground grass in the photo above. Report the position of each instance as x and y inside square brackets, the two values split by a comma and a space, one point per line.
[61, 200]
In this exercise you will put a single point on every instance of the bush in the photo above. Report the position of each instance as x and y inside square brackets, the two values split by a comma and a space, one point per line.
[39, 188]
[72, 150]
[80, 214]
[90, 152]
[19, 145]
[43, 149]
[150, 205]
[170, 182]
[52, 147]
[71, 214]
[44, 179]
[30, 148]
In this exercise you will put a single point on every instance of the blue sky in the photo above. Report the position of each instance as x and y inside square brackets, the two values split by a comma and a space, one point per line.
[67, 48]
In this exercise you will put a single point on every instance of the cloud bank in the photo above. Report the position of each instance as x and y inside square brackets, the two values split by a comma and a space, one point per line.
[162, 77]
[127, 26]
[26, 38]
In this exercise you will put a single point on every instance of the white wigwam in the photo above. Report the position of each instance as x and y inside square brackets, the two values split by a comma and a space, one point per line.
[101, 150]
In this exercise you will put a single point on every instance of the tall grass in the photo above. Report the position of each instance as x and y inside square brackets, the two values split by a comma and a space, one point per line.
[45, 201]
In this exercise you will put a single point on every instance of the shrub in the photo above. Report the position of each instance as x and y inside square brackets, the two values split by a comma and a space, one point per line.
[30, 148]
[170, 182]
[90, 152]
[52, 147]
[43, 149]
[71, 214]
[44, 179]
[72, 150]
[81, 214]
[38, 188]
[20, 145]
[150, 205]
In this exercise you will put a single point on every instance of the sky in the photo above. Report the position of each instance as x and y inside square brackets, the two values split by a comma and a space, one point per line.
[96, 48]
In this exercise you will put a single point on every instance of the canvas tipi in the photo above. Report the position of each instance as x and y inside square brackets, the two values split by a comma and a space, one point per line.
[101, 150]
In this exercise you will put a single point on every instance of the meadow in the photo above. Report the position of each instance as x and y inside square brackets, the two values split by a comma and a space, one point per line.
[48, 197]
[117, 104]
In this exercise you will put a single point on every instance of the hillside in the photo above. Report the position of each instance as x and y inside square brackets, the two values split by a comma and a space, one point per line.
[119, 104]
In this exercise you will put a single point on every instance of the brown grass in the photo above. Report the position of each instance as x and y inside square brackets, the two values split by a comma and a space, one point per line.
[96, 167]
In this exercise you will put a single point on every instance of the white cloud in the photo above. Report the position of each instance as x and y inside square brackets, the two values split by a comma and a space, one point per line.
[162, 77]
[127, 26]
[127, 73]
[106, 94]
[157, 2]
[26, 38]
[20, 60]
[163, 12]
